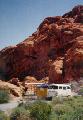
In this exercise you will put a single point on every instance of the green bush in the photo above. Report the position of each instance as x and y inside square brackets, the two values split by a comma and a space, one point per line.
[61, 109]
[78, 114]
[57, 100]
[80, 92]
[20, 113]
[4, 96]
[70, 109]
[40, 110]
[3, 116]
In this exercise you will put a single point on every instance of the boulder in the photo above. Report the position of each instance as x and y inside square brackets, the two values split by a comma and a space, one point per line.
[14, 81]
[14, 90]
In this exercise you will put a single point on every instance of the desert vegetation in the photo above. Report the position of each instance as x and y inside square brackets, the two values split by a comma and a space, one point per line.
[4, 96]
[20, 113]
[68, 108]
[3, 116]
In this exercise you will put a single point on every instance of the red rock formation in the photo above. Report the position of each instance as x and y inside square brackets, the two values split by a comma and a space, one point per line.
[55, 72]
[50, 51]
[74, 61]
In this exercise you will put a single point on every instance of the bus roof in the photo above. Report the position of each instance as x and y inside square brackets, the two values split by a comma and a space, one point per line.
[59, 84]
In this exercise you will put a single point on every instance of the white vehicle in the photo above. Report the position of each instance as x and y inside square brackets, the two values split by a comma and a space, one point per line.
[59, 90]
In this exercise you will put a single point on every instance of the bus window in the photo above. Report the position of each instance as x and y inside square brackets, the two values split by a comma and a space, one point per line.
[64, 88]
[50, 87]
[60, 87]
[68, 87]
[55, 87]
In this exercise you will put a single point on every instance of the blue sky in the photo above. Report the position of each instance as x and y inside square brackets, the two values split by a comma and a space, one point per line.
[20, 18]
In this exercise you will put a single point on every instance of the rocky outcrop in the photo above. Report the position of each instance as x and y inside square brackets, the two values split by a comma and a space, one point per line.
[74, 61]
[13, 89]
[50, 52]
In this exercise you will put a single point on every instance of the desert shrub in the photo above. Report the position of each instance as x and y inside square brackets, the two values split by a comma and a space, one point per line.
[66, 112]
[40, 110]
[57, 100]
[75, 102]
[53, 116]
[3, 116]
[20, 113]
[70, 109]
[61, 109]
[80, 92]
[78, 114]
[4, 96]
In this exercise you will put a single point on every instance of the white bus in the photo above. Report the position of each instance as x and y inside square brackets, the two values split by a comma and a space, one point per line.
[59, 90]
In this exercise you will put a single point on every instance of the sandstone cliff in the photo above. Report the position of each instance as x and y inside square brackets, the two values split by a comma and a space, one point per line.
[55, 50]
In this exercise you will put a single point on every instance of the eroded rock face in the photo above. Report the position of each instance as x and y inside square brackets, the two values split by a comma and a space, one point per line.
[55, 72]
[50, 51]
[74, 61]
